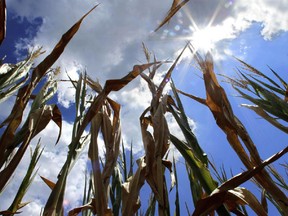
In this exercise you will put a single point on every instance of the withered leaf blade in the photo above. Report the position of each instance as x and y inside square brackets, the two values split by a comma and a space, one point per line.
[48, 182]
[244, 196]
[9, 213]
[176, 6]
[77, 210]
[41, 69]
[131, 189]
[220, 195]
[243, 177]
[117, 84]
[100, 201]
[111, 85]
[2, 20]
[13, 121]
[45, 115]
[206, 205]
[38, 120]
[57, 118]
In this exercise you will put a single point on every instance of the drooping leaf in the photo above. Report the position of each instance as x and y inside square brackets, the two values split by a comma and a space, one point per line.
[38, 120]
[78, 210]
[131, 189]
[37, 74]
[234, 197]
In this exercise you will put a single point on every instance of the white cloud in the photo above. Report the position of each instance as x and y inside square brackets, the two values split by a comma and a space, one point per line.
[271, 14]
[50, 163]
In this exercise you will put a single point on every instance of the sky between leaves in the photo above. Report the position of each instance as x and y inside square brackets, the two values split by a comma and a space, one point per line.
[109, 44]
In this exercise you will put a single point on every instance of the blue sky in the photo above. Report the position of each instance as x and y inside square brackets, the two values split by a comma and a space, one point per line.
[109, 44]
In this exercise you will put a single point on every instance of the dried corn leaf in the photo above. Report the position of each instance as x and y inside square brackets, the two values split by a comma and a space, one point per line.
[2, 20]
[48, 182]
[245, 196]
[9, 213]
[100, 201]
[156, 147]
[264, 200]
[175, 7]
[168, 75]
[110, 85]
[112, 136]
[41, 69]
[131, 190]
[38, 120]
[76, 211]
[117, 84]
[220, 107]
[220, 195]
[243, 177]
[232, 198]
[25, 92]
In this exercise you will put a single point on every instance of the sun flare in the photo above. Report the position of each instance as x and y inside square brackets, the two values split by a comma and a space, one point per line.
[204, 40]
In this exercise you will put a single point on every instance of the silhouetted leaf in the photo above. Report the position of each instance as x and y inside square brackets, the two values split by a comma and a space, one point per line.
[176, 6]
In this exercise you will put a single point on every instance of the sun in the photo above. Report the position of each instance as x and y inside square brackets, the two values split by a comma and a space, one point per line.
[204, 40]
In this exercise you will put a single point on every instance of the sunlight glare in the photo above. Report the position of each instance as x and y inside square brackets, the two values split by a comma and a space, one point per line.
[204, 40]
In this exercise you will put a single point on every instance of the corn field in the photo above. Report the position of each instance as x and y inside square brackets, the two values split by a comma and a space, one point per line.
[113, 183]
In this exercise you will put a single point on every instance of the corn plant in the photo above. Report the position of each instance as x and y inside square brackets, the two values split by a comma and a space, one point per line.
[17, 203]
[237, 136]
[269, 98]
[15, 137]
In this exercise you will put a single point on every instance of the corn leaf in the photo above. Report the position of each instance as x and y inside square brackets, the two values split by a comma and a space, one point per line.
[2, 20]
[131, 189]
[101, 199]
[88, 206]
[177, 198]
[28, 178]
[182, 121]
[239, 196]
[266, 116]
[218, 103]
[48, 182]
[38, 120]
[220, 195]
[176, 6]
[25, 92]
